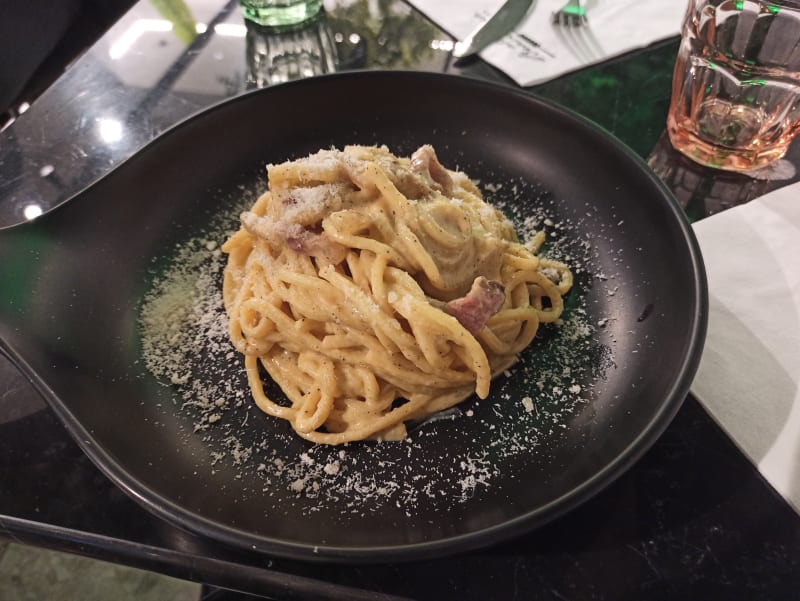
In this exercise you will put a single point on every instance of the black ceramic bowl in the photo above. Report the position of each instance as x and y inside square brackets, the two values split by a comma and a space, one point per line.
[584, 403]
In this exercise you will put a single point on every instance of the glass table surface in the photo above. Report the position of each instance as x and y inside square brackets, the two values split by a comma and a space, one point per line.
[693, 518]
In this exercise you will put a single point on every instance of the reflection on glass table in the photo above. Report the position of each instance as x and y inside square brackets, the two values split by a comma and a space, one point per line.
[155, 68]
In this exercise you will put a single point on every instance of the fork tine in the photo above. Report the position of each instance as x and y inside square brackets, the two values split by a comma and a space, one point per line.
[577, 17]
[572, 27]
[571, 14]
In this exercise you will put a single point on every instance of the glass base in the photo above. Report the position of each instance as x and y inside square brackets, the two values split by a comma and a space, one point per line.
[280, 15]
[720, 157]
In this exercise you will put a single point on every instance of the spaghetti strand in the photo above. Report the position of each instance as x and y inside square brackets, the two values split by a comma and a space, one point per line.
[376, 289]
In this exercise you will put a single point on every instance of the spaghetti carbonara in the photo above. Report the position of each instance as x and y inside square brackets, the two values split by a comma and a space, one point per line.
[375, 290]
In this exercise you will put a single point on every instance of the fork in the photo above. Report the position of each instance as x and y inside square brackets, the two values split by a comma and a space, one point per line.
[572, 14]
[571, 26]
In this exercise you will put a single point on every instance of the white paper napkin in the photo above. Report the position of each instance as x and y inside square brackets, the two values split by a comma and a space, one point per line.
[539, 51]
[749, 375]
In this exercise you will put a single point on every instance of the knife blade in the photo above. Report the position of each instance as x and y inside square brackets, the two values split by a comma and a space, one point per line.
[503, 22]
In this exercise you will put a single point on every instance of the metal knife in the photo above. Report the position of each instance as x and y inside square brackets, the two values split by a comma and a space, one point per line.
[503, 22]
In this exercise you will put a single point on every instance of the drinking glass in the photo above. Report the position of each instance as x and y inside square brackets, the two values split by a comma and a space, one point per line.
[278, 56]
[736, 86]
[280, 13]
